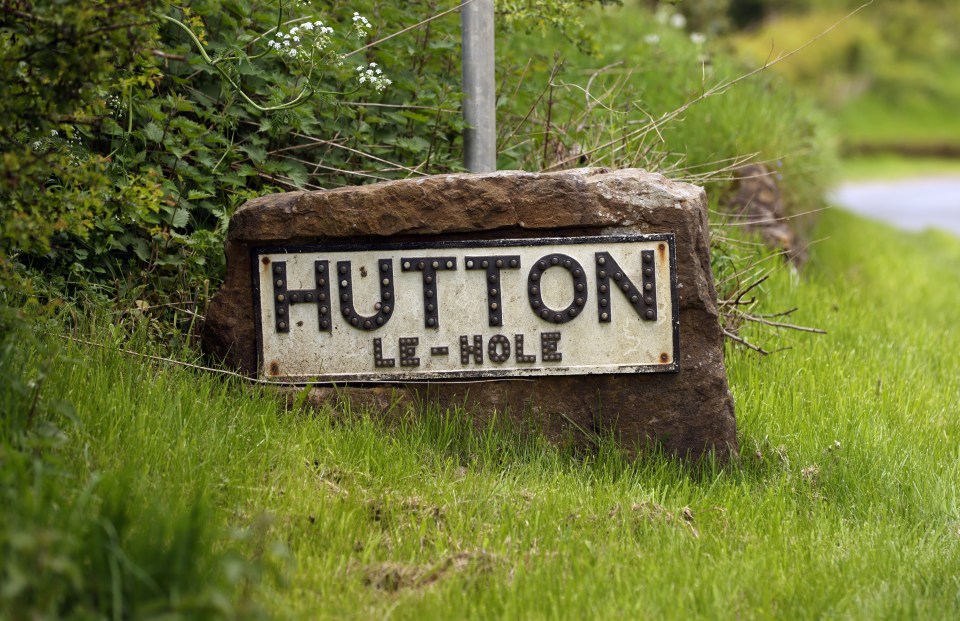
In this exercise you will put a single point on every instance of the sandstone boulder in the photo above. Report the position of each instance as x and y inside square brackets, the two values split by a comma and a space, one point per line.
[687, 413]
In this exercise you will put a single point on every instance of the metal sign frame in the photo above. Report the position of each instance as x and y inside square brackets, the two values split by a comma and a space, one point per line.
[673, 365]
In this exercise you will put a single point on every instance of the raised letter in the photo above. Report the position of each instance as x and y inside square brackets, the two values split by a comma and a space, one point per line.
[518, 339]
[344, 278]
[378, 359]
[284, 298]
[498, 348]
[644, 302]
[466, 349]
[429, 266]
[408, 351]
[535, 294]
[492, 267]
[548, 347]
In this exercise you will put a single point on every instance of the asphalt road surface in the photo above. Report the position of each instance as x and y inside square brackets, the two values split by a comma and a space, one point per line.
[911, 204]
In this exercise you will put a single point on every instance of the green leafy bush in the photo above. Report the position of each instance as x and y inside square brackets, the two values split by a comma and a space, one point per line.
[187, 112]
[55, 58]
[127, 154]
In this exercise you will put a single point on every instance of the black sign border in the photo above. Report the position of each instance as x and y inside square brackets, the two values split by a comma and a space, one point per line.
[478, 375]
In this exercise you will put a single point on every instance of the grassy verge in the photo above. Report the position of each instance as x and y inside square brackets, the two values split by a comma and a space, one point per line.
[650, 96]
[893, 88]
[874, 121]
[897, 167]
[845, 504]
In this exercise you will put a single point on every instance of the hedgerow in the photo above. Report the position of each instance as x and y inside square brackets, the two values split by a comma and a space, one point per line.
[137, 128]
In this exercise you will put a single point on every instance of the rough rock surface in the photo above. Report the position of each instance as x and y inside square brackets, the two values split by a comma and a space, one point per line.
[687, 413]
[758, 204]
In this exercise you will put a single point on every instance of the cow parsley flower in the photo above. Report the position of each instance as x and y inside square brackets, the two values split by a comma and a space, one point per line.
[311, 45]
[373, 75]
[698, 38]
[360, 23]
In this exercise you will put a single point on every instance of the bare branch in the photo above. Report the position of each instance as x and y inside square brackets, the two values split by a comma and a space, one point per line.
[777, 324]
[744, 342]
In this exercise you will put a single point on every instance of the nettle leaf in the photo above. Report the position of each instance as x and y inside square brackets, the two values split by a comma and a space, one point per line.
[153, 132]
[179, 217]
[150, 218]
[153, 109]
[141, 248]
[416, 116]
[447, 43]
[110, 127]
[397, 117]
[413, 144]
[257, 154]
[188, 127]
[231, 179]
[297, 173]
[194, 195]
[246, 170]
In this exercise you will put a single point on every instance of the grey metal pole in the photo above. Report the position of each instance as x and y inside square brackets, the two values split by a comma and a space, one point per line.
[479, 87]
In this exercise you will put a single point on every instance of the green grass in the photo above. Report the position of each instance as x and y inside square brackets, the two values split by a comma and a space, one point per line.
[877, 121]
[604, 104]
[892, 87]
[845, 503]
[897, 167]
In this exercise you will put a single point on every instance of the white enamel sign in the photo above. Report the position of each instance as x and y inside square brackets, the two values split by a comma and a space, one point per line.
[467, 309]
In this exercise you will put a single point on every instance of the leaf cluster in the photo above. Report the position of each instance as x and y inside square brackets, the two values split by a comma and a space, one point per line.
[138, 129]
[55, 58]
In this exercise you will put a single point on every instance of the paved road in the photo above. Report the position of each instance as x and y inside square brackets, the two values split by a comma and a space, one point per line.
[912, 204]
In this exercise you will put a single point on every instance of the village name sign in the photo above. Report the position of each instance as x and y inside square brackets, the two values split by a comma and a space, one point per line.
[587, 294]
[466, 309]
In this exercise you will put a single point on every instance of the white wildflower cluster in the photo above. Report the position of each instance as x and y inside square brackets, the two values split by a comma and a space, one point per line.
[311, 45]
[360, 24]
[698, 38]
[665, 16]
[373, 76]
[69, 142]
[301, 39]
[651, 39]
